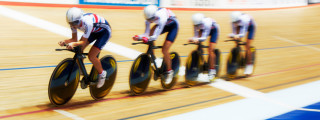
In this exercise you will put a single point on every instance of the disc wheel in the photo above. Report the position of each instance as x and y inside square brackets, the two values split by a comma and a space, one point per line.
[175, 64]
[109, 64]
[233, 62]
[193, 67]
[218, 61]
[61, 89]
[140, 74]
[253, 58]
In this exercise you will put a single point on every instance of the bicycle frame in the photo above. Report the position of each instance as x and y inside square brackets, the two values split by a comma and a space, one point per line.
[77, 58]
[199, 48]
[151, 53]
[238, 42]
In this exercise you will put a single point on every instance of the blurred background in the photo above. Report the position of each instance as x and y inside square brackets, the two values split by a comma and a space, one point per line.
[283, 86]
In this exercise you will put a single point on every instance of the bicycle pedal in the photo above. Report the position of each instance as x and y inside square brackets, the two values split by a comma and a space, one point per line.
[155, 77]
[93, 83]
[83, 84]
[66, 83]
[84, 56]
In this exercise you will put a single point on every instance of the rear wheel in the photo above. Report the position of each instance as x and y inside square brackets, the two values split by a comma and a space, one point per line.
[175, 63]
[253, 58]
[63, 82]
[193, 67]
[140, 74]
[218, 59]
[109, 64]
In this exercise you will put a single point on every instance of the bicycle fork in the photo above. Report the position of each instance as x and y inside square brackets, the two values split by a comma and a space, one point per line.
[155, 67]
[73, 64]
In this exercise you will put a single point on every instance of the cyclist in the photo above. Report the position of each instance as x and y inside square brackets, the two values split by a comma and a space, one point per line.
[204, 27]
[95, 28]
[165, 21]
[243, 24]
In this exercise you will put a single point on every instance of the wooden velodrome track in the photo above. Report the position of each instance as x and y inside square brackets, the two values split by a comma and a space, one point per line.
[288, 55]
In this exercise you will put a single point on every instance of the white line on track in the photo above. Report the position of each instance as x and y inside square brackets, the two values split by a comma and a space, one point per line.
[75, 117]
[297, 43]
[246, 92]
[64, 31]
[257, 105]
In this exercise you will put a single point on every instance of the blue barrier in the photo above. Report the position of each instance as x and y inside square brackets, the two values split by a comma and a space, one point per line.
[121, 2]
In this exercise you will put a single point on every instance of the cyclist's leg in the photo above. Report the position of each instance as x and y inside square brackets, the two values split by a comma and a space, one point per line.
[94, 51]
[102, 39]
[166, 55]
[85, 46]
[212, 44]
[212, 55]
[251, 32]
[165, 49]
[248, 52]
[249, 66]
[172, 28]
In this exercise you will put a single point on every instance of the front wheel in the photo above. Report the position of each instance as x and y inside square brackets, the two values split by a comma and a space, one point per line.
[175, 64]
[193, 67]
[140, 74]
[63, 82]
[109, 64]
[233, 62]
[218, 61]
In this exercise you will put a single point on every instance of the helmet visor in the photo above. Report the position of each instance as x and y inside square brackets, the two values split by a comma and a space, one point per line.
[198, 26]
[74, 23]
[151, 19]
[237, 21]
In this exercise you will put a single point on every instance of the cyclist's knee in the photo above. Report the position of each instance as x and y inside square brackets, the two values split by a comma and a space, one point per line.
[165, 50]
[92, 57]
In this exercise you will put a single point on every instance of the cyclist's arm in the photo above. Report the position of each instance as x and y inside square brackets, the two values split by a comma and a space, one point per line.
[84, 39]
[243, 30]
[82, 42]
[195, 31]
[241, 33]
[206, 31]
[234, 31]
[147, 30]
[74, 36]
[160, 25]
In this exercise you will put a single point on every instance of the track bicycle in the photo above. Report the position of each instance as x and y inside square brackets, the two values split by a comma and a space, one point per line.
[237, 59]
[65, 77]
[197, 65]
[144, 65]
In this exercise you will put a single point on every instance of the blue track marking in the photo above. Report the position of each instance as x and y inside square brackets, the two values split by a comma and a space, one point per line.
[22, 68]
[36, 67]
[300, 114]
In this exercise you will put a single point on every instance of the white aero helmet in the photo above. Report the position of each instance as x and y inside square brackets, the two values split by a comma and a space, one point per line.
[149, 11]
[197, 18]
[235, 16]
[74, 15]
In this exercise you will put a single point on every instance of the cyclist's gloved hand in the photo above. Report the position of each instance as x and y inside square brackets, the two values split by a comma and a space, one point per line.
[135, 38]
[234, 36]
[62, 43]
[231, 35]
[70, 46]
[145, 39]
[237, 37]
[194, 40]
